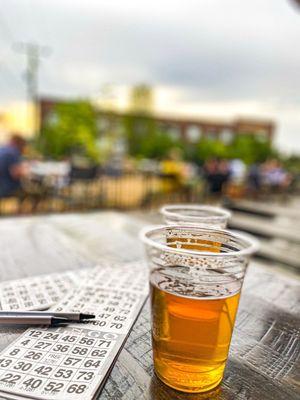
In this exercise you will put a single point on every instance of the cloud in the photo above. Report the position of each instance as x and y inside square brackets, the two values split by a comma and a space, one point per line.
[228, 52]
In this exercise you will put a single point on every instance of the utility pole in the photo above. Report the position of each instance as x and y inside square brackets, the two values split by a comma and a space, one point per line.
[33, 52]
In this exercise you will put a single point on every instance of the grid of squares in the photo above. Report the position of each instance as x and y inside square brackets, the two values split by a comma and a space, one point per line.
[68, 362]
[37, 293]
[56, 362]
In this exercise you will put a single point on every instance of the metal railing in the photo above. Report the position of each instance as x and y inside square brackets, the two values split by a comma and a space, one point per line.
[123, 192]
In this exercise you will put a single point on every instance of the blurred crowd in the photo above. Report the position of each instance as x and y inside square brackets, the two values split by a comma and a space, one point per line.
[232, 178]
[222, 177]
[225, 176]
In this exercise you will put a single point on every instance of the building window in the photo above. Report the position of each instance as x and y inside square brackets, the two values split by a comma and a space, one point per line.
[226, 136]
[193, 134]
[211, 134]
[173, 133]
[262, 135]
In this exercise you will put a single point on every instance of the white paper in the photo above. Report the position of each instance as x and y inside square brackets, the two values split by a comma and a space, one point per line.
[72, 362]
[38, 292]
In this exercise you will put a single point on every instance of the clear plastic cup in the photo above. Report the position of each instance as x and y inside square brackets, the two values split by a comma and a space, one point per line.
[196, 276]
[190, 214]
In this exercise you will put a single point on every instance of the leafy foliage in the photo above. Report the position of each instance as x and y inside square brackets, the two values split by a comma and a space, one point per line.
[145, 140]
[251, 148]
[207, 148]
[247, 147]
[292, 164]
[70, 128]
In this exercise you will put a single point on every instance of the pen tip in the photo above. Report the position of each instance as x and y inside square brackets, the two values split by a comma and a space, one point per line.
[87, 316]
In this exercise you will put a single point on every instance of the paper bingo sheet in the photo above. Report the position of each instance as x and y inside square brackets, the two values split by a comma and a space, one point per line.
[73, 362]
[38, 292]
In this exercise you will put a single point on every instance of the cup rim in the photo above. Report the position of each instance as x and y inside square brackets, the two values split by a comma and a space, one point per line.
[253, 243]
[166, 211]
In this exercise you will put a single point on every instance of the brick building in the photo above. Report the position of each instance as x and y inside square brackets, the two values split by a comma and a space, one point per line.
[190, 129]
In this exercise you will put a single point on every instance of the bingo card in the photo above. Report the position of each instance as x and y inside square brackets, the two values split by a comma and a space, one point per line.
[38, 292]
[72, 362]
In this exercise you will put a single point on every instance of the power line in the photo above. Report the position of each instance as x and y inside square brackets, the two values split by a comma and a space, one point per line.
[34, 53]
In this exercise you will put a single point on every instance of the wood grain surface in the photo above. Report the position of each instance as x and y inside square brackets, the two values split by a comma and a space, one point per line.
[265, 351]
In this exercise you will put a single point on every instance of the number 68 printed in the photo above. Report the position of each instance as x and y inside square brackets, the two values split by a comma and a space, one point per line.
[76, 388]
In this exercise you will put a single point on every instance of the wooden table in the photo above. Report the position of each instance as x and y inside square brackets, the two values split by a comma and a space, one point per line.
[265, 350]
[277, 225]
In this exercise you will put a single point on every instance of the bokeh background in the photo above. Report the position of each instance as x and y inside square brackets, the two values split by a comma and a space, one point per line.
[126, 104]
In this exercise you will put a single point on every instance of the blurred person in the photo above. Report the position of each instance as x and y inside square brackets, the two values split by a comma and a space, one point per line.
[172, 170]
[237, 171]
[210, 170]
[254, 179]
[12, 168]
[217, 175]
[275, 176]
[172, 164]
[225, 173]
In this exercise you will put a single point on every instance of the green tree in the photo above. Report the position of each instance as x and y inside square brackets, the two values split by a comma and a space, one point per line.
[70, 128]
[208, 148]
[145, 139]
[250, 148]
[292, 164]
[247, 147]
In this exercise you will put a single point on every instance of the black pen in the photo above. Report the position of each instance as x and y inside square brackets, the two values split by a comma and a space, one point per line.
[32, 320]
[71, 316]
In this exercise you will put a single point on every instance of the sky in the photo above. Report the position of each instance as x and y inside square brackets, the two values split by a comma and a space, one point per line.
[205, 58]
